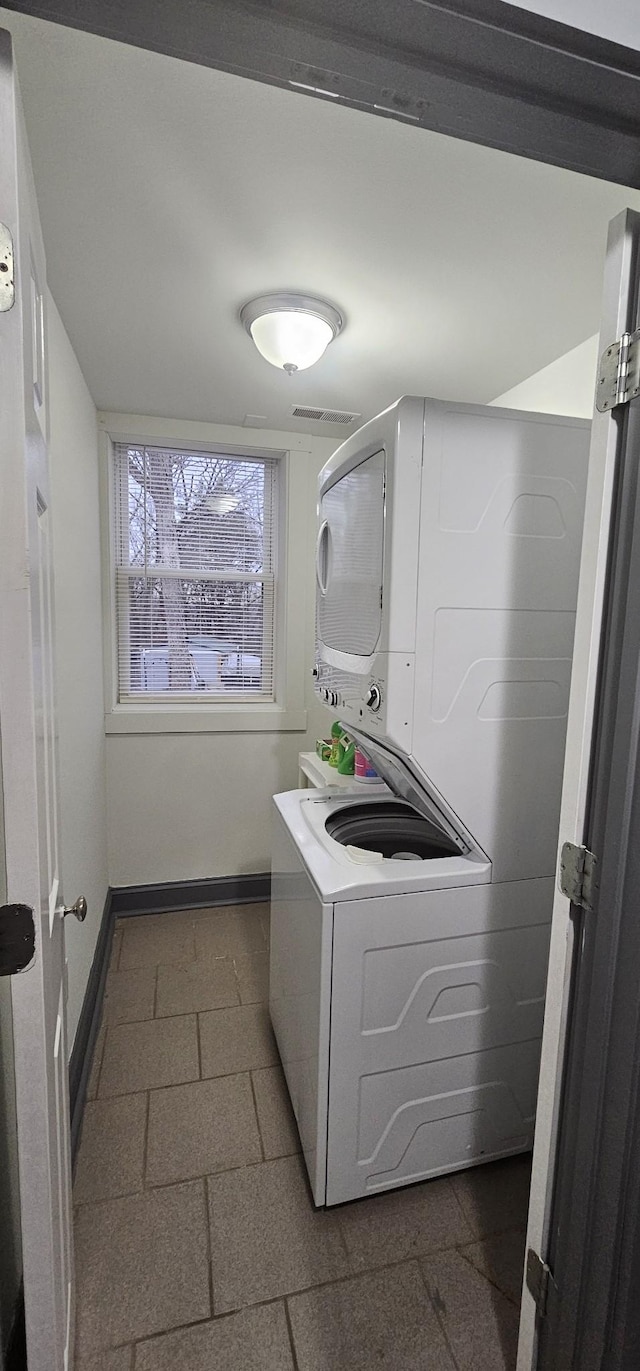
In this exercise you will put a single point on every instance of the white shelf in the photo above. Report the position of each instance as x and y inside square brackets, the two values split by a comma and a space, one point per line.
[314, 772]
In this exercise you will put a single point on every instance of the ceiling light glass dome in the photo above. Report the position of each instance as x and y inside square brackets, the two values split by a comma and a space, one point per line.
[291, 331]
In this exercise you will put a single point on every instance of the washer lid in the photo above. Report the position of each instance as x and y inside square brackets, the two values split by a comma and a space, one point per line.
[415, 788]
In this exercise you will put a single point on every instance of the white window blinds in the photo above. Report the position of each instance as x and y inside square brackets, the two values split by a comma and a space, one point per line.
[195, 568]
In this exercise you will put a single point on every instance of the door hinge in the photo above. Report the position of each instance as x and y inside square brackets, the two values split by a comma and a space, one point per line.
[540, 1282]
[7, 280]
[17, 938]
[619, 373]
[579, 876]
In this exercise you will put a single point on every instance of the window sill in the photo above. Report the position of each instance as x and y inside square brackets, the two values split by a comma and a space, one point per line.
[143, 719]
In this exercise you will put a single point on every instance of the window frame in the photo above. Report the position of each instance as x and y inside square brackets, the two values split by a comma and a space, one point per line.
[287, 711]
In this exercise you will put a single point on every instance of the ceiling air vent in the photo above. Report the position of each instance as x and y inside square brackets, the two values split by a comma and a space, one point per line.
[324, 416]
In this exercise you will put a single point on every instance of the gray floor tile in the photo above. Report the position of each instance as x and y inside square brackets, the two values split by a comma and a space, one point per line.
[168, 918]
[200, 1128]
[115, 1359]
[111, 1157]
[130, 995]
[496, 1196]
[237, 1039]
[142, 1056]
[156, 939]
[402, 1223]
[229, 932]
[141, 1265]
[98, 1051]
[266, 1237]
[383, 1319]
[209, 984]
[257, 907]
[253, 977]
[143, 1257]
[252, 1340]
[278, 1128]
[501, 1260]
[480, 1324]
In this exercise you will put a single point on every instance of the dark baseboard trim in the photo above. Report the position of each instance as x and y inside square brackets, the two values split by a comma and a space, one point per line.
[15, 1357]
[88, 1025]
[155, 899]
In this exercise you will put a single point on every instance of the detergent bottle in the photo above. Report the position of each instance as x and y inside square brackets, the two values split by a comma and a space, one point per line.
[347, 756]
[336, 734]
[363, 769]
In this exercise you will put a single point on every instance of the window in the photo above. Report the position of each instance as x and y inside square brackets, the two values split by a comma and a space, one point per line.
[195, 540]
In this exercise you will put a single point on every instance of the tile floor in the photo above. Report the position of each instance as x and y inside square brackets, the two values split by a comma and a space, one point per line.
[197, 1245]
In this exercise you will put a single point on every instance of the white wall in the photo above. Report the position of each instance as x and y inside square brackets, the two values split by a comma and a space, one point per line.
[80, 694]
[617, 20]
[566, 386]
[194, 805]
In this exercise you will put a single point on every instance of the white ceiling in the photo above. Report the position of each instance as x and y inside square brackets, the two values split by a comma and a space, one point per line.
[170, 194]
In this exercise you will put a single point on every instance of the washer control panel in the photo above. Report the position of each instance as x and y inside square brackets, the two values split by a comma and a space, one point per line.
[373, 698]
[379, 702]
[332, 698]
[338, 690]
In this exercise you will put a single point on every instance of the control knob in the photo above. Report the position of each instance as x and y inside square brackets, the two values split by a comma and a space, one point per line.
[373, 698]
[330, 697]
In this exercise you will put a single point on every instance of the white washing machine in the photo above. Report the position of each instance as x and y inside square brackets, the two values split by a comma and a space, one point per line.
[407, 992]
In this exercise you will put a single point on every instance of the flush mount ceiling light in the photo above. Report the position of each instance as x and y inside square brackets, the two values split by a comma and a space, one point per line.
[291, 331]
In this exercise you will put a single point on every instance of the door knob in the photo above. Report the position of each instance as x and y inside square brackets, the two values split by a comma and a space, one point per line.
[79, 908]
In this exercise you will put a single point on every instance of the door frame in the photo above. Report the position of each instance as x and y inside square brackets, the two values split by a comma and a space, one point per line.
[590, 689]
[593, 1241]
[481, 70]
[493, 74]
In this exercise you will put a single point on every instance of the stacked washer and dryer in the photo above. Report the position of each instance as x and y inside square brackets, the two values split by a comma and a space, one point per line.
[410, 924]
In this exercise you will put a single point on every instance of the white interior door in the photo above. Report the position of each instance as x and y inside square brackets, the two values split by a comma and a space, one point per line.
[27, 727]
[618, 312]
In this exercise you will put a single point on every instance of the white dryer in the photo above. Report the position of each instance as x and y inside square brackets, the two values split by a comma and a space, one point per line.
[408, 963]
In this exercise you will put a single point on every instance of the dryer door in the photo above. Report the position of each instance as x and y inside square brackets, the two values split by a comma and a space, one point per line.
[349, 560]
